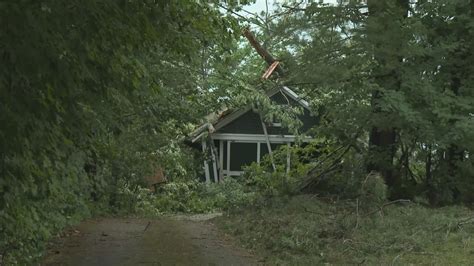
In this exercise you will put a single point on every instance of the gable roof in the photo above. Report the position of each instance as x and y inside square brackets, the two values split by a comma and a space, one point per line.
[226, 117]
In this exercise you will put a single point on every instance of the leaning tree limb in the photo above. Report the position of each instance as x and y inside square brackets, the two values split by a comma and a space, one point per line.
[262, 51]
[314, 177]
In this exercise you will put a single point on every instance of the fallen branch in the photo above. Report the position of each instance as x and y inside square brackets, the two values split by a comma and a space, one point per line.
[380, 209]
[314, 178]
[310, 211]
[468, 220]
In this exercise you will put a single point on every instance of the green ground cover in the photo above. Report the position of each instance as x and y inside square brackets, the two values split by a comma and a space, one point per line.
[308, 230]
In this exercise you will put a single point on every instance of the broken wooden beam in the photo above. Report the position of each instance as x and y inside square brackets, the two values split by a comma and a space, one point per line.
[262, 51]
[270, 70]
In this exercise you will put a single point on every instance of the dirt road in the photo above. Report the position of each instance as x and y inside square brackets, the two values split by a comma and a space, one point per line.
[185, 240]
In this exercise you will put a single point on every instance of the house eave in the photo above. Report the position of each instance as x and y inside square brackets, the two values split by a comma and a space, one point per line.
[227, 119]
[254, 138]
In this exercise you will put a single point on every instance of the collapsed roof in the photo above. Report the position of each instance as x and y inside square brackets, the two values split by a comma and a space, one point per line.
[217, 120]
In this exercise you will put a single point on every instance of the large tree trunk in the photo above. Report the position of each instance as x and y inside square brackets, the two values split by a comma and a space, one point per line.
[454, 154]
[460, 73]
[385, 35]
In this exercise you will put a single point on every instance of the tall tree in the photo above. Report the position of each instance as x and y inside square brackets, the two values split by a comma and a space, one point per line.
[94, 94]
[392, 78]
[385, 27]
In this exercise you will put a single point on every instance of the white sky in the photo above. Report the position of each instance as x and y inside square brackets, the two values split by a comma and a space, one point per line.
[260, 5]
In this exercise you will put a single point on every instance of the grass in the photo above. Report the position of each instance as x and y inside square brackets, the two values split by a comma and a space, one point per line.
[306, 230]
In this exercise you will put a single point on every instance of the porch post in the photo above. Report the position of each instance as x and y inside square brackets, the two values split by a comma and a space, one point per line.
[221, 160]
[258, 152]
[228, 157]
[206, 165]
[268, 143]
[214, 163]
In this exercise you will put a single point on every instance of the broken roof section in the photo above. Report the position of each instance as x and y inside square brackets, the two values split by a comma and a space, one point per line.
[216, 121]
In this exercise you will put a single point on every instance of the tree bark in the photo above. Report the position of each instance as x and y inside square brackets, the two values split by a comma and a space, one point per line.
[385, 35]
[261, 51]
[429, 176]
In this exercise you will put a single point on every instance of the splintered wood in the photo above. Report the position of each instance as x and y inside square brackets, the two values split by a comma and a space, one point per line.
[270, 70]
[262, 52]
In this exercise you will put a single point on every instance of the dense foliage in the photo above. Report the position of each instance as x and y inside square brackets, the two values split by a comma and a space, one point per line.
[392, 84]
[186, 197]
[390, 79]
[94, 95]
[97, 95]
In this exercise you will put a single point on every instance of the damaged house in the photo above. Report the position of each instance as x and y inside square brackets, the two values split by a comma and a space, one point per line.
[240, 137]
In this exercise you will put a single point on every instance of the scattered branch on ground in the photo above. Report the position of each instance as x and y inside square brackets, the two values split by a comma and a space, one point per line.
[380, 209]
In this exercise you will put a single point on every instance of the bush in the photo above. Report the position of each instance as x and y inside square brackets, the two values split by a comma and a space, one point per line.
[269, 182]
[373, 190]
[184, 197]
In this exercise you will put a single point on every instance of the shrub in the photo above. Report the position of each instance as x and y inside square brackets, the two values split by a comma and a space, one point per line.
[373, 190]
[269, 182]
[184, 197]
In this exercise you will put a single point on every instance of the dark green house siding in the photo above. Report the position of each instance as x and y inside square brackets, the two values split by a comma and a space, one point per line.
[249, 123]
